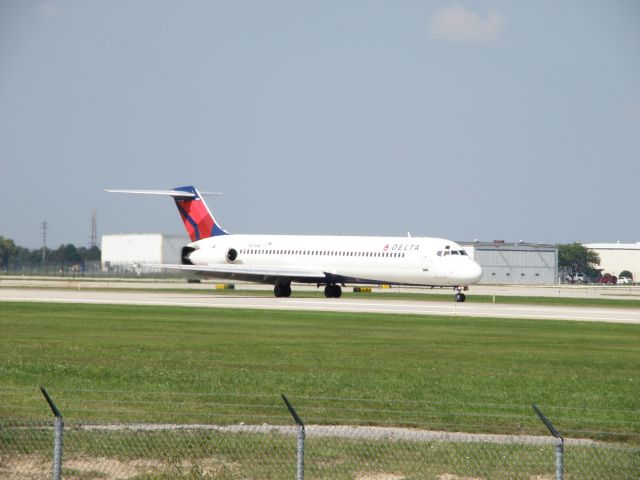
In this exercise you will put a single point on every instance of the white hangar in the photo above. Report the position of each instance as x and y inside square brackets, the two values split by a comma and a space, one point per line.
[515, 263]
[123, 253]
[617, 257]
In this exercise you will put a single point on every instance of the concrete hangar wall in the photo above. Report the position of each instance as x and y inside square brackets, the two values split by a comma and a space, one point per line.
[617, 257]
[121, 251]
[515, 263]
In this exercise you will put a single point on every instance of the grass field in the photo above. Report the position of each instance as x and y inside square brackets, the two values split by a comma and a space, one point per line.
[123, 363]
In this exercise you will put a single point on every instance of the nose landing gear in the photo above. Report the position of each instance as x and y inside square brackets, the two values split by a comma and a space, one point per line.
[460, 297]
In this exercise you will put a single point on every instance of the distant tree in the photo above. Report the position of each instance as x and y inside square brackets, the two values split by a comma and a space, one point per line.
[91, 254]
[15, 257]
[575, 258]
[8, 252]
[71, 255]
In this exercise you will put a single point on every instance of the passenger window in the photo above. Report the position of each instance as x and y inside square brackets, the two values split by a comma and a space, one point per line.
[454, 252]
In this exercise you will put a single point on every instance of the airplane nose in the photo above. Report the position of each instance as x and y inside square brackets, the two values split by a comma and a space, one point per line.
[474, 272]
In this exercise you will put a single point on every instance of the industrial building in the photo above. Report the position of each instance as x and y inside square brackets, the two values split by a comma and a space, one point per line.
[515, 263]
[617, 257]
[124, 253]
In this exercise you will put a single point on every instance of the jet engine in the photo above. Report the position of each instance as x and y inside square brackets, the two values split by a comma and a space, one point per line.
[184, 256]
[232, 255]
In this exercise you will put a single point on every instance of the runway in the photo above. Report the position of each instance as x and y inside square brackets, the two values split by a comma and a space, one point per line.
[407, 307]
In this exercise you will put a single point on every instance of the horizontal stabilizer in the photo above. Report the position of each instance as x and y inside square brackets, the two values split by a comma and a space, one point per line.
[171, 193]
[195, 214]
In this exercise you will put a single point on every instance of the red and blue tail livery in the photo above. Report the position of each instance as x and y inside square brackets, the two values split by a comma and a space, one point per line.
[195, 214]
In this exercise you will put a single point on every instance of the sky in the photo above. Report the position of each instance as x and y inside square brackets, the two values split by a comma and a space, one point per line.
[465, 120]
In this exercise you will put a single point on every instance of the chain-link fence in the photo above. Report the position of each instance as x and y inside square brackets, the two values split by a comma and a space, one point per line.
[90, 269]
[287, 448]
[149, 451]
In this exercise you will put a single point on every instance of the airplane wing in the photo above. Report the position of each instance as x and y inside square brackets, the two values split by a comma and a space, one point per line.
[264, 274]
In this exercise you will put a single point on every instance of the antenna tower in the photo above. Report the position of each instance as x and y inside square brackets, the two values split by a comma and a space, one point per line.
[44, 227]
[94, 229]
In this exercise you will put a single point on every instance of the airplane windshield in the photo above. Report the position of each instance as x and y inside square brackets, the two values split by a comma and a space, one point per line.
[444, 253]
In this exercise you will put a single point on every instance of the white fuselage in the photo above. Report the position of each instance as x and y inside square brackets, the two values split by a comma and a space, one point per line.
[392, 260]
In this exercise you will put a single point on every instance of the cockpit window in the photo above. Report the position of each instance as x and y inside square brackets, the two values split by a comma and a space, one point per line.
[447, 251]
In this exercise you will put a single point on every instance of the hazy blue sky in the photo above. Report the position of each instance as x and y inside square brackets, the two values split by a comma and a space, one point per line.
[472, 119]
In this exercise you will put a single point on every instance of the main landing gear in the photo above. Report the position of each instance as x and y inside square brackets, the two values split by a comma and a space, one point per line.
[282, 290]
[332, 291]
[460, 297]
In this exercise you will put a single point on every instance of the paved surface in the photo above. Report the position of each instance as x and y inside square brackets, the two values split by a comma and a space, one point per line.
[558, 291]
[349, 431]
[615, 315]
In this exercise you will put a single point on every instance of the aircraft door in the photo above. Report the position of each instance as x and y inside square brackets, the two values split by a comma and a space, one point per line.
[425, 263]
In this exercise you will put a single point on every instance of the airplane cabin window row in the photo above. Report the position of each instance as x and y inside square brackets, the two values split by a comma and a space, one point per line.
[322, 253]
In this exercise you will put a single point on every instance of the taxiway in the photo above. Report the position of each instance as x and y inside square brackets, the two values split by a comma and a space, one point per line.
[407, 307]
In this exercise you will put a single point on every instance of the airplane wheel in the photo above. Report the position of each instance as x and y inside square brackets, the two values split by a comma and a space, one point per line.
[463, 297]
[282, 290]
[459, 297]
[332, 291]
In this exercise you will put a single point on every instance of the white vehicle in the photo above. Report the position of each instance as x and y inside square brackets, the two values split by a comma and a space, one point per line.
[624, 280]
[331, 261]
[577, 278]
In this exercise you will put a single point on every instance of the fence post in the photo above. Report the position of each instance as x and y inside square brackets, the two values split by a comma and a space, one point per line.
[57, 442]
[559, 443]
[300, 452]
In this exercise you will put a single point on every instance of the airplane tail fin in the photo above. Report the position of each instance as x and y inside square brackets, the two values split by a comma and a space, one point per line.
[195, 214]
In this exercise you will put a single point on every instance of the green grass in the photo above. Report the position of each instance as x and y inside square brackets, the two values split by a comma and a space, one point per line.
[210, 365]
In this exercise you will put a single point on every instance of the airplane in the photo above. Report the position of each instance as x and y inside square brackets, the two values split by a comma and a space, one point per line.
[332, 261]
